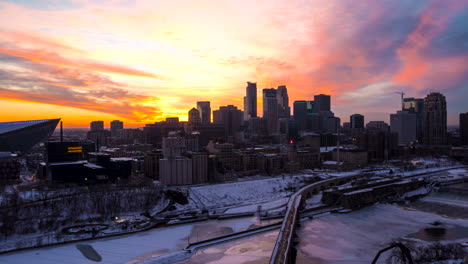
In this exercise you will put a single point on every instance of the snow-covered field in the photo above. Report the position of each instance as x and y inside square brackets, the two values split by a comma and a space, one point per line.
[246, 192]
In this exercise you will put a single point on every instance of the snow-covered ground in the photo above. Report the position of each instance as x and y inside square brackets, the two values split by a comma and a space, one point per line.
[246, 192]
[135, 247]
[263, 207]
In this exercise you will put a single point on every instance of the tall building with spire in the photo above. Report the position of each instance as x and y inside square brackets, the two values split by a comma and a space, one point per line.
[250, 101]
[435, 119]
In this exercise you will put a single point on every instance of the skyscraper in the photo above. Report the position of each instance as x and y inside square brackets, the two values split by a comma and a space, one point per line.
[404, 123]
[416, 105]
[116, 126]
[283, 102]
[300, 114]
[435, 120]
[250, 101]
[205, 111]
[357, 121]
[194, 117]
[97, 125]
[464, 128]
[270, 110]
[230, 117]
[322, 102]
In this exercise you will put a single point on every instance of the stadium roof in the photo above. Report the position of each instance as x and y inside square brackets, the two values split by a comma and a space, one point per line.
[15, 125]
[23, 135]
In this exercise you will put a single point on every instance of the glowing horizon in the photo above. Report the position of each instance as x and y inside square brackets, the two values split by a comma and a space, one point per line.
[143, 61]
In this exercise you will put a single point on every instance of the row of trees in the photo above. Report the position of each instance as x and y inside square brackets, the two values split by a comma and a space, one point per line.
[48, 215]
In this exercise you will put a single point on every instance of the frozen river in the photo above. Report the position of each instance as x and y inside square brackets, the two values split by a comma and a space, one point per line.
[134, 247]
[338, 238]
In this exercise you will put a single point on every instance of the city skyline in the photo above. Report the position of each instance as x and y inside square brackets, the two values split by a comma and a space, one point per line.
[139, 64]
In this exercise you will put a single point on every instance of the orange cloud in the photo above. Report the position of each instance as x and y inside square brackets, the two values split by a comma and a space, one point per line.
[46, 57]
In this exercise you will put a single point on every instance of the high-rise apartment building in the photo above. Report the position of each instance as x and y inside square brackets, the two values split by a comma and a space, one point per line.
[97, 125]
[250, 101]
[284, 111]
[270, 110]
[322, 102]
[115, 127]
[435, 119]
[416, 105]
[464, 128]
[357, 121]
[205, 111]
[404, 123]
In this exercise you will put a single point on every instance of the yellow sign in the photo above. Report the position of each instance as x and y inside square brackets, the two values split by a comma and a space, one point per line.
[75, 149]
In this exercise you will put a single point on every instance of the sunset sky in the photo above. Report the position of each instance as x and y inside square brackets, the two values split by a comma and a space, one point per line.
[141, 61]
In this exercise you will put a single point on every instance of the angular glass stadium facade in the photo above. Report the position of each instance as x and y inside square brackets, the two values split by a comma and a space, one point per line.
[21, 136]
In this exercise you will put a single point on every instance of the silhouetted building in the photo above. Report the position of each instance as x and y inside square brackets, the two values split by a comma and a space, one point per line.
[347, 128]
[416, 105]
[357, 121]
[67, 151]
[250, 101]
[257, 126]
[283, 102]
[380, 145]
[380, 125]
[270, 110]
[328, 123]
[151, 164]
[129, 136]
[194, 117]
[97, 125]
[99, 137]
[153, 133]
[300, 114]
[435, 120]
[199, 167]
[322, 102]
[115, 127]
[205, 111]
[209, 132]
[464, 128]
[230, 117]
[404, 123]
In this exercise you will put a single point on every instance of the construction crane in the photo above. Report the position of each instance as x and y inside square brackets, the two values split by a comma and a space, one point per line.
[402, 99]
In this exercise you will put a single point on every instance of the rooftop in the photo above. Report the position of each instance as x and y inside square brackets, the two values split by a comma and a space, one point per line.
[6, 127]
